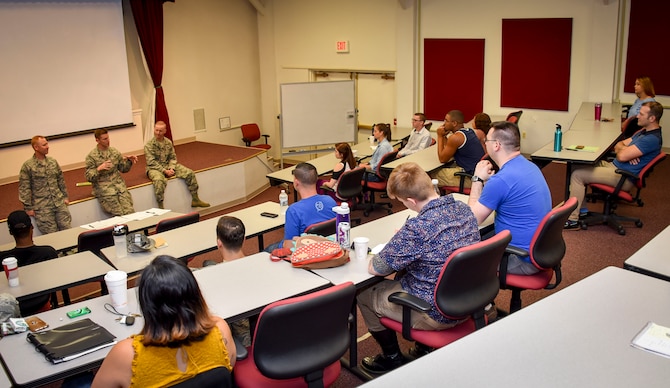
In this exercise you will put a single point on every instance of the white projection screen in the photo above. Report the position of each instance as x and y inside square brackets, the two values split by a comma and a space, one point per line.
[63, 68]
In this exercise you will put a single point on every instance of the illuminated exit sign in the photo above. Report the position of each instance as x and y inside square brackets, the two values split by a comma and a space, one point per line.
[342, 46]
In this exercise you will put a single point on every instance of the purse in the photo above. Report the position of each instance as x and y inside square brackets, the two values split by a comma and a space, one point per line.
[316, 252]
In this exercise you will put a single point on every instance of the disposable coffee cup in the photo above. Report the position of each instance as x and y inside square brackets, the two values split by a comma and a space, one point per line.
[361, 247]
[372, 141]
[11, 266]
[117, 285]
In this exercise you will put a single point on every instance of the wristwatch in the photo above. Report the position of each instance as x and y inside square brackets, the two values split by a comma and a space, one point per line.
[475, 178]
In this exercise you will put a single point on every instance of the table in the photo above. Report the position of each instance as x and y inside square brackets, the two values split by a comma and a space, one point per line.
[198, 238]
[583, 131]
[26, 367]
[57, 274]
[64, 240]
[243, 287]
[577, 337]
[427, 159]
[652, 258]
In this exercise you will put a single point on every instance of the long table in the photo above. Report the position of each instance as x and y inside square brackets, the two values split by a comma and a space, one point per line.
[56, 274]
[585, 131]
[64, 240]
[198, 238]
[427, 159]
[652, 258]
[577, 337]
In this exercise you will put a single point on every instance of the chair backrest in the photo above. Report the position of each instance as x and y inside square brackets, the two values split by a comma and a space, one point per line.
[646, 170]
[213, 378]
[177, 222]
[95, 240]
[387, 158]
[469, 278]
[349, 185]
[547, 247]
[629, 127]
[250, 132]
[432, 141]
[301, 335]
[514, 117]
[323, 228]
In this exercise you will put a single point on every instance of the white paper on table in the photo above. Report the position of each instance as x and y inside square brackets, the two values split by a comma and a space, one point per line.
[653, 338]
[105, 223]
[145, 214]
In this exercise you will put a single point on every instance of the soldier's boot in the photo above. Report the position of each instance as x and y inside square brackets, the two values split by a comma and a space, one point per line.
[197, 202]
[160, 205]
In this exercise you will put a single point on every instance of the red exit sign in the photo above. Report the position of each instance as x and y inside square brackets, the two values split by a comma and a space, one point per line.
[342, 46]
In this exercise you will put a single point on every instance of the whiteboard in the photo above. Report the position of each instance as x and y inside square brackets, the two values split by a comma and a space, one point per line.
[317, 113]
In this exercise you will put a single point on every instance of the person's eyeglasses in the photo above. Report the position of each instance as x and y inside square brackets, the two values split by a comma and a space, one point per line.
[488, 140]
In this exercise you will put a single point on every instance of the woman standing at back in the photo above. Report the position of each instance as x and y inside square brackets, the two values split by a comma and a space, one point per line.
[179, 340]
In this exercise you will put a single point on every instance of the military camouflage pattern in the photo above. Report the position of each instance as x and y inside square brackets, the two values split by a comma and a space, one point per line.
[108, 186]
[160, 156]
[42, 189]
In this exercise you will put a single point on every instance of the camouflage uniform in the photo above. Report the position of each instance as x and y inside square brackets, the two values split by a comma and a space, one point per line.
[42, 189]
[160, 156]
[108, 186]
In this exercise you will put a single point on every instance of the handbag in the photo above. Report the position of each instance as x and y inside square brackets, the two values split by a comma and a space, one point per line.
[316, 252]
[70, 341]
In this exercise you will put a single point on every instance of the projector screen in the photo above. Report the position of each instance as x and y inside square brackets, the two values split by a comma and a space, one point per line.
[63, 68]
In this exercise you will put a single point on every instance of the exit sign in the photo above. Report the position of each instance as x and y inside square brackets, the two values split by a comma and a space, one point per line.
[342, 46]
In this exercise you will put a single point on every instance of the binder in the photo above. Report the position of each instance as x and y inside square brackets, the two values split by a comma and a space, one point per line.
[70, 341]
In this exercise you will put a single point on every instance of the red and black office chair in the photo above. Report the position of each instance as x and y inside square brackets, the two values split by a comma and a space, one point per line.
[629, 127]
[463, 176]
[467, 283]
[350, 187]
[323, 228]
[299, 341]
[251, 133]
[214, 378]
[613, 194]
[371, 187]
[177, 222]
[94, 241]
[514, 117]
[546, 251]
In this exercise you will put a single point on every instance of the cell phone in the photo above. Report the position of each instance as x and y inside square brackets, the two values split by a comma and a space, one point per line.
[270, 215]
[78, 312]
[36, 324]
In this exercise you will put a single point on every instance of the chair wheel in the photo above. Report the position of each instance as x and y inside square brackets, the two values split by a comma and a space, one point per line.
[366, 213]
[390, 205]
[621, 231]
[583, 225]
[638, 223]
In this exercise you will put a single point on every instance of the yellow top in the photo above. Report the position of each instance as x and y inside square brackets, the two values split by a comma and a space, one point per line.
[160, 366]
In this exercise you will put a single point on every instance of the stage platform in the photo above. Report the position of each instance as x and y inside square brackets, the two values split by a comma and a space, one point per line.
[227, 175]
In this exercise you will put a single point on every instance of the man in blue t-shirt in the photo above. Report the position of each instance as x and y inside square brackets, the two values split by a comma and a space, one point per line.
[311, 208]
[518, 192]
[632, 155]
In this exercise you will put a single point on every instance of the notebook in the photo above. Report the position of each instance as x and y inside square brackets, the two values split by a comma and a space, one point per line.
[70, 341]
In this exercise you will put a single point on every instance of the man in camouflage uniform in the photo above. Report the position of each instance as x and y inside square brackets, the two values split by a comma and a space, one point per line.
[162, 164]
[42, 189]
[104, 166]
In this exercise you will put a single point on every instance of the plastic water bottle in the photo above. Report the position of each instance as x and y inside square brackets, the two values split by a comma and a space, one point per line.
[283, 202]
[435, 185]
[342, 225]
[120, 243]
[558, 139]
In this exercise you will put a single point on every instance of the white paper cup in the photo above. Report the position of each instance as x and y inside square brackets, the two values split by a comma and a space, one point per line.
[361, 247]
[117, 285]
[11, 267]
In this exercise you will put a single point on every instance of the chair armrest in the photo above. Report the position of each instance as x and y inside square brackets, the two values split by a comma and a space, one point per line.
[242, 352]
[246, 141]
[326, 188]
[408, 300]
[516, 251]
[266, 138]
[624, 176]
[626, 173]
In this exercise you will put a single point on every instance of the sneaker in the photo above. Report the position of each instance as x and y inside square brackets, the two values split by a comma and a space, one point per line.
[571, 225]
[381, 363]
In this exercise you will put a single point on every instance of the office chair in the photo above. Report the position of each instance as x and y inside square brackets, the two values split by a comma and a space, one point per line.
[94, 241]
[463, 176]
[177, 222]
[514, 117]
[251, 133]
[629, 127]
[214, 378]
[323, 228]
[299, 341]
[467, 283]
[613, 194]
[546, 251]
[374, 187]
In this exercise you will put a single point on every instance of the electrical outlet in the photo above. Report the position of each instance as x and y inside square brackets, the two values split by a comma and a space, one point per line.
[523, 134]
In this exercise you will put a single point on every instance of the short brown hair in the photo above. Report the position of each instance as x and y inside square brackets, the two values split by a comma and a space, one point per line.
[655, 109]
[99, 132]
[507, 134]
[409, 180]
[230, 231]
[483, 122]
[305, 173]
[36, 138]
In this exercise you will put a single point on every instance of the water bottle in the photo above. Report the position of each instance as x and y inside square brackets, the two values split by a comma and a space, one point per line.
[342, 225]
[435, 186]
[120, 243]
[283, 202]
[558, 139]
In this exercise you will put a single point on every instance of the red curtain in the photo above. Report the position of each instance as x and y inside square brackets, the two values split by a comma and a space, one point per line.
[148, 16]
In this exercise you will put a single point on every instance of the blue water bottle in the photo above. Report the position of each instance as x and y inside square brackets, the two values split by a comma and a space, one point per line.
[558, 139]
